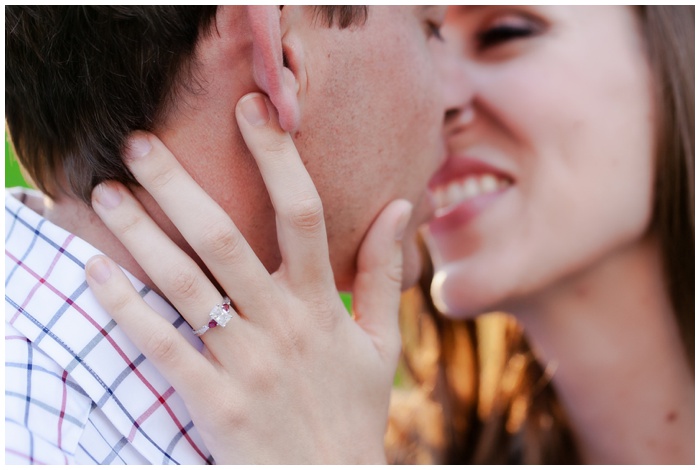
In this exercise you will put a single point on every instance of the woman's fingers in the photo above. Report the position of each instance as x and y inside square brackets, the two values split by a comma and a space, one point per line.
[263, 374]
[205, 226]
[300, 224]
[180, 279]
[180, 363]
[377, 288]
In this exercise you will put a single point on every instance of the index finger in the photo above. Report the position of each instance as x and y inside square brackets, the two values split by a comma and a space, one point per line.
[301, 227]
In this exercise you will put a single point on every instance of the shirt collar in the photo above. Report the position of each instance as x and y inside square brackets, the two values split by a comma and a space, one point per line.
[48, 301]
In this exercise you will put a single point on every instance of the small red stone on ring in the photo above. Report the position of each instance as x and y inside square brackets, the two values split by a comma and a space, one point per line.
[225, 307]
[212, 323]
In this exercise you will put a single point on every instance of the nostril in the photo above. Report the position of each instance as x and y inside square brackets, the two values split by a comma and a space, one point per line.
[451, 114]
[457, 118]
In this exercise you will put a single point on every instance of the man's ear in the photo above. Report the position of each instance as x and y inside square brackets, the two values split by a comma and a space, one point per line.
[269, 71]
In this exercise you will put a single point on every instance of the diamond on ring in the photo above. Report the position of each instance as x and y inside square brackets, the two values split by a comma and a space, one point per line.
[219, 317]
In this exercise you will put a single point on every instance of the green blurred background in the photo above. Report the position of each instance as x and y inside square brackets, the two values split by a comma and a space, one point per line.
[13, 177]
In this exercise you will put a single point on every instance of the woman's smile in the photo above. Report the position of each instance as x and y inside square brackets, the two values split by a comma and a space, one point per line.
[463, 188]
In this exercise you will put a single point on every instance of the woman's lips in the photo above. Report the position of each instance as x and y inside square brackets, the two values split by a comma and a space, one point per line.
[462, 189]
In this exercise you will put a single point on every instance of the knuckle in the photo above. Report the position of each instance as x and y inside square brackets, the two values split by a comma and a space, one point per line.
[231, 412]
[395, 274]
[324, 315]
[294, 340]
[224, 242]
[183, 281]
[327, 321]
[120, 303]
[161, 177]
[235, 417]
[276, 149]
[160, 346]
[263, 378]
[128, 223]
[306, 214]
[264, 382]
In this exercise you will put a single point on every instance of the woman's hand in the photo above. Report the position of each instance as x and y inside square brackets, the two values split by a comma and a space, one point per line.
[292, 378]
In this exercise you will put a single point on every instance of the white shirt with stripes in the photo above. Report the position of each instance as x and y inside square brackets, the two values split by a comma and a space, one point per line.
[77, 391]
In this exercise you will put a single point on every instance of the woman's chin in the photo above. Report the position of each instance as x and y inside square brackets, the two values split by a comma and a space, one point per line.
[450, 302]
[456, 302]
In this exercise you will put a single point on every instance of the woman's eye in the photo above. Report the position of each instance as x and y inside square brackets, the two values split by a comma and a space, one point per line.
[507, 29]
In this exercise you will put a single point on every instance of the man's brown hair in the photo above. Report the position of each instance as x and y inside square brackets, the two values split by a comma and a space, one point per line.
[79, 79]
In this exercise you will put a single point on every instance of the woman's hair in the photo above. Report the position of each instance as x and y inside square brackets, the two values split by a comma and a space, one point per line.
[670, 37]
[472, 392]
[479, 395]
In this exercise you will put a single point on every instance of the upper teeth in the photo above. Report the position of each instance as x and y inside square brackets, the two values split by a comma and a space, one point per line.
[459, 191]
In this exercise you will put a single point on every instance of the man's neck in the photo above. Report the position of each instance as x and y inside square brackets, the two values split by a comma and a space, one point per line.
[620, 369]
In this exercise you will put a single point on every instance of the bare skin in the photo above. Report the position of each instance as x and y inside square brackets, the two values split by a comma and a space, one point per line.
[562, 118]
[276, 363]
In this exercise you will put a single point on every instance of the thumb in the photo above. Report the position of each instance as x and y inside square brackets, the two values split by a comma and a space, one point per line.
[377, 288]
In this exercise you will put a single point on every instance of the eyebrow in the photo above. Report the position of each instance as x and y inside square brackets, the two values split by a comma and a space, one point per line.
[468, 8]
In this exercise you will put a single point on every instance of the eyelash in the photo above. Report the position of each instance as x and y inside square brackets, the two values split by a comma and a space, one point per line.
[434, 31]
[500, 34]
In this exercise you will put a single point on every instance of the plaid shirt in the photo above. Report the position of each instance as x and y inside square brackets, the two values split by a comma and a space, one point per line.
[76, 389]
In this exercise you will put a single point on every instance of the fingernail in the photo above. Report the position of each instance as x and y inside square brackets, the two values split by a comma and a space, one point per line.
[402, 223]
[107, 196]
[139, 146]
[98, 269]
[255, 110]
